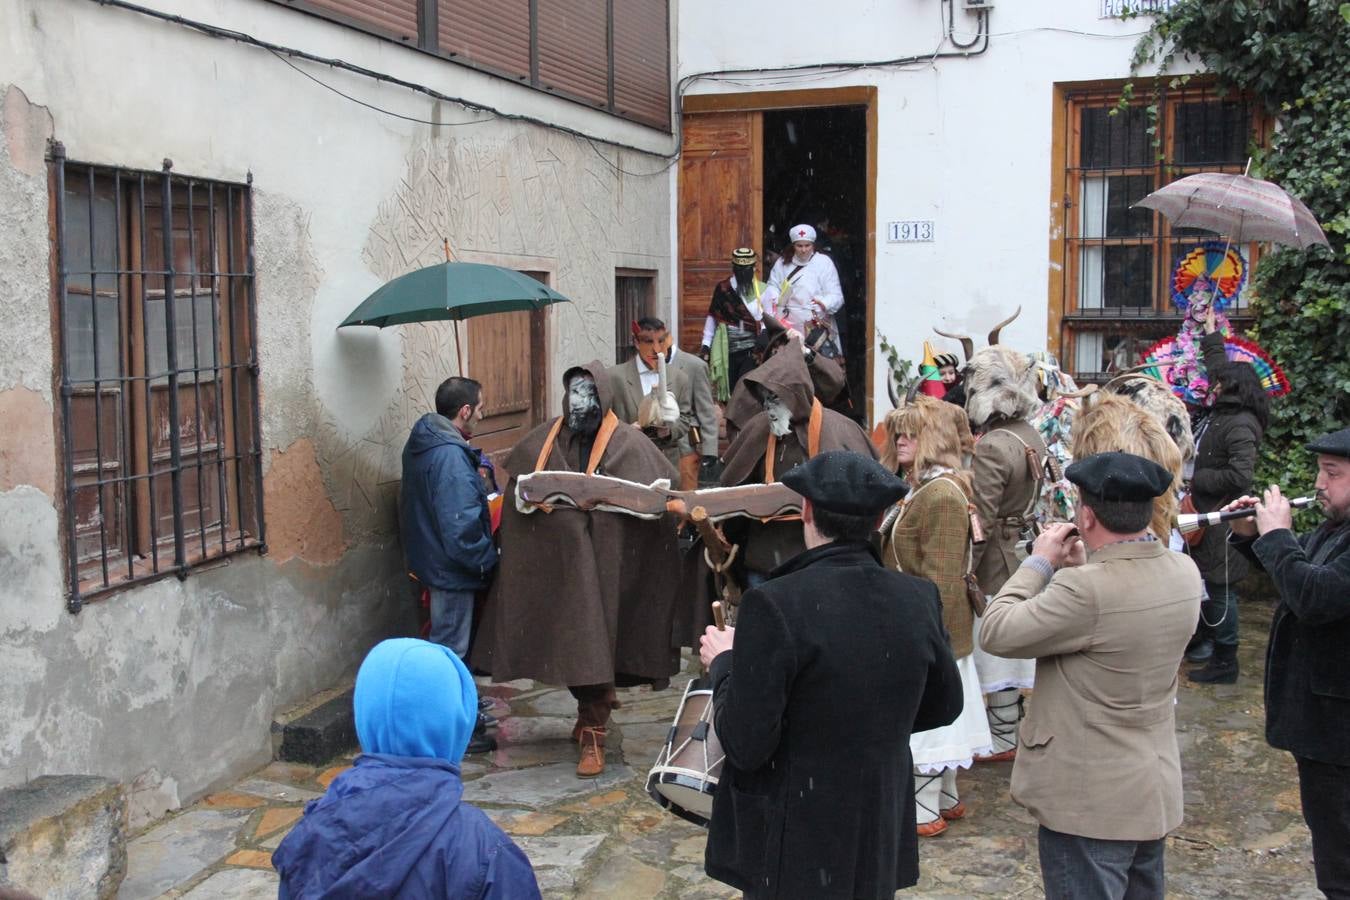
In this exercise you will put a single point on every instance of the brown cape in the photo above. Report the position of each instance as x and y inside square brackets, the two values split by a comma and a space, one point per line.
[583, 597]
[827, 382]
[769, 544]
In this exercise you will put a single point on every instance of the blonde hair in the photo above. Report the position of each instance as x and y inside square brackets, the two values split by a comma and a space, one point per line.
[1111, 422]
[941, 434]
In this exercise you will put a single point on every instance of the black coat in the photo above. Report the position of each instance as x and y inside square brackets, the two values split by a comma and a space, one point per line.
[1307, 677]
[1225, 462]
[837, 659]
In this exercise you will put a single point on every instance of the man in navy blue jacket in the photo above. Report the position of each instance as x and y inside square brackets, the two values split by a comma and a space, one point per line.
[443, 508]
[395, 825]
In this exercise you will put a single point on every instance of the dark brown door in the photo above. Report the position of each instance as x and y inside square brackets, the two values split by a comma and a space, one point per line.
[721, 205]
[508, 356]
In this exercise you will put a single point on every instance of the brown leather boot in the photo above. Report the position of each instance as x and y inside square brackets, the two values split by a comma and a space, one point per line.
[592, 761]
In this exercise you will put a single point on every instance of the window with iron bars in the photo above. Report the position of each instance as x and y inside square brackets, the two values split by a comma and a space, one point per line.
[1115, 293]
[157, 372]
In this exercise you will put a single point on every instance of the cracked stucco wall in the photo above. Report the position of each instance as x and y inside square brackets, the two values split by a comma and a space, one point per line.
[171, 686]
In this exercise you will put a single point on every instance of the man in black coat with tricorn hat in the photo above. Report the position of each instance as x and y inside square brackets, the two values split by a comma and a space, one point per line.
[1307, 678]
[834, 661]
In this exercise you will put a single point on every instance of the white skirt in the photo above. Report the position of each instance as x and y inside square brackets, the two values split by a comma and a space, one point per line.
[955, 746]
[998, 673]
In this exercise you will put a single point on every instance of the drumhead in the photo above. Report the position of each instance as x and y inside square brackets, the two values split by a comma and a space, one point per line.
[685, 791]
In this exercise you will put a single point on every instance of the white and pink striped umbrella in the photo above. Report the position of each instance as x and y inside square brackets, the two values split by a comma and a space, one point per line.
[1242, 209]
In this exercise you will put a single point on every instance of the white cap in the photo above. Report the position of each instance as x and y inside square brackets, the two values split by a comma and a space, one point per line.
[802, 233]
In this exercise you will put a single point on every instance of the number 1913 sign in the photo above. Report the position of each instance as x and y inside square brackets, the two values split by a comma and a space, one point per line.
[909, 232]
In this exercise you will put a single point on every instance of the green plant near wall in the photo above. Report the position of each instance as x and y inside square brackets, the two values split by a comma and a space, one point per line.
[1293, 56]
[902, 370]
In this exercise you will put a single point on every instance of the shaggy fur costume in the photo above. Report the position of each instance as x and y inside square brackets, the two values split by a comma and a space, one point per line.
[1112, 422]
[1165, 406]
[1000, 385]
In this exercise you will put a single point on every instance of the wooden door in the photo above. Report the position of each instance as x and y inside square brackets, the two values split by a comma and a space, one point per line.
[508, 356]
[721, 205]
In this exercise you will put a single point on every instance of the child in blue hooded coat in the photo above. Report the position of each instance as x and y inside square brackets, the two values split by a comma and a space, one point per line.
[395, 824]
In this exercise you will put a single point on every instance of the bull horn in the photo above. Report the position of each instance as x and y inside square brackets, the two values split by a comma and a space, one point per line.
[1085, 391]
[1133, 370]
[890, 389]
[967, 343]
[993, 334]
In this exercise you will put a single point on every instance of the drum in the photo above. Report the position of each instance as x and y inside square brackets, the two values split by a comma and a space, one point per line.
[684, 778]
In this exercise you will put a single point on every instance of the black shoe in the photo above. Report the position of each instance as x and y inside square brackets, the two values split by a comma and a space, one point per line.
[485, 721]
[481, 742]
[1222, 667]
[484, 704]
[1199, 650]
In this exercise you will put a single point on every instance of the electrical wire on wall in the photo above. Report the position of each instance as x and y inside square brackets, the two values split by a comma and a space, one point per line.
[775, 75]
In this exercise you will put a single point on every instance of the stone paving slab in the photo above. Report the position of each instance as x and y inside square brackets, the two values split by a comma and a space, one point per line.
[173, 853]
[1243, 835]
[274, 790]
[236, 884]
[557, 861]
[541, 785]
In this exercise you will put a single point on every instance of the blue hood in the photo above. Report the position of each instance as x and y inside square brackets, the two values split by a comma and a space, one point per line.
[434, 430]
[415, 698]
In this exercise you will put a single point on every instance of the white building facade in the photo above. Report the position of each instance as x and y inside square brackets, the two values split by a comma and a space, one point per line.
[312, 153]
[997, 176]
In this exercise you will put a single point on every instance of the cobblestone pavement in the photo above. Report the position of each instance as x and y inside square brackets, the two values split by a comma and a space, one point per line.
[1243, 835]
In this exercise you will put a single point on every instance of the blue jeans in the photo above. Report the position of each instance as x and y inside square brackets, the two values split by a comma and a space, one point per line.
[1219, 614]
[1081, 868]
[451, 619]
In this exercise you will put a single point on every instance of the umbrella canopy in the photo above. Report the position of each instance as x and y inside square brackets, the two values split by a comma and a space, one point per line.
[452, 290]
[1241, 208]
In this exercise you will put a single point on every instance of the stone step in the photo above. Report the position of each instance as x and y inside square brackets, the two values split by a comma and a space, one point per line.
[324, 733]
[61, 836]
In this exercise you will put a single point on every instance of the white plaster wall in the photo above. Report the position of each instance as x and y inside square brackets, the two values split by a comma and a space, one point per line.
[180, 679]
[964, 142]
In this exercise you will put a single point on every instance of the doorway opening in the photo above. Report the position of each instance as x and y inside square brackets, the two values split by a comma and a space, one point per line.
[752, 165]
[815, 173]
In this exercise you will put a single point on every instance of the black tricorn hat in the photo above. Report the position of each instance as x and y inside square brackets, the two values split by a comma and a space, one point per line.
[1335, 444]
[846, 482]
[1117, 476]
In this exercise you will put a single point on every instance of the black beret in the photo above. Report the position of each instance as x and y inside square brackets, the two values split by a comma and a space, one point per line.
[1335, 444]
[846, 482]
[1119, 476]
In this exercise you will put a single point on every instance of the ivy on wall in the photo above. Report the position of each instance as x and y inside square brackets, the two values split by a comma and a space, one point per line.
[1293, 56]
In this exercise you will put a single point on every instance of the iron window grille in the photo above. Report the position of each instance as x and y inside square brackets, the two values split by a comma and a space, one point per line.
[1118, 261]
[157, 373]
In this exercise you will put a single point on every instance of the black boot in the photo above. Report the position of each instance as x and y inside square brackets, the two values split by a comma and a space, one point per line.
[1200, 649]
[481, 741]
[1222, 667]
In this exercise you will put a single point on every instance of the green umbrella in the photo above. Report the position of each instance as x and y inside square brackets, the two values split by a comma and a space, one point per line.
[452, 290]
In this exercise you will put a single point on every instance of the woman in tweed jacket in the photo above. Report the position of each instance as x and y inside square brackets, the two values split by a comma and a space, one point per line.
[928, 535]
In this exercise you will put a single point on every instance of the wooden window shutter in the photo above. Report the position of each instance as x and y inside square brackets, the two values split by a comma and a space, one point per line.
[494, 34]
[642, 61]
[395, 18]
[573, 49]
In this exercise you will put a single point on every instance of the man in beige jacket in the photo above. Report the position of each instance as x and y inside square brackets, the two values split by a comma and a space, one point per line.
[1106, 611]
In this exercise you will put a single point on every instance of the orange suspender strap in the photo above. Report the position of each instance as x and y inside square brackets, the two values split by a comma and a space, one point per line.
[812, 440]
[545, 450]
[607, 427]
[813, 429]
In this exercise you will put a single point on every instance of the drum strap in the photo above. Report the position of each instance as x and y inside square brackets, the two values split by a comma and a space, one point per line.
[608, 425]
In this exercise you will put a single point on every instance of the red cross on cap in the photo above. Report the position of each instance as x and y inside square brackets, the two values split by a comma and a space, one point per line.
[801, 232]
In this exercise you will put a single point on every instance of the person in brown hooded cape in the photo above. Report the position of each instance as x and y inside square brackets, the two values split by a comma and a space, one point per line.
[774, 441]
[827, 382]
[584, 599]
